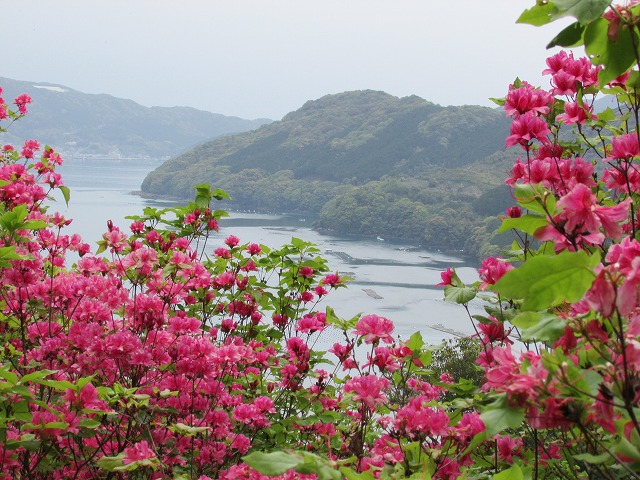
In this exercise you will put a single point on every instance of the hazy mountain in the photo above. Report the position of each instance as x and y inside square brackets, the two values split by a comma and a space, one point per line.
[78, 123]
[362, 162]
[352, 137]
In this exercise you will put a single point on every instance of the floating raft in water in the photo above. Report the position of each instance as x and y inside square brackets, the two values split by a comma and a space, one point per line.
[451, 331]
[371, 293]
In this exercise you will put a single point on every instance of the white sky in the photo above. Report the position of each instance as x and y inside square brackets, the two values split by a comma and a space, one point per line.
[265, 58]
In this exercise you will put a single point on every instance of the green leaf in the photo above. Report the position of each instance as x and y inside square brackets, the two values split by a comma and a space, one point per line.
[415, 342]
[585, 11]
[35, 376]
[219, 194]
[546, 281]
[89, 423]
[538, 15]
[626, 448]
[606, 115]
[527, 319]
[274, 463]
[616, 54]
[187, 430]
[548, 328]
[571, 36]
[110, 463]
[350, 474]
[526, 223]
[461, 295]
[512, 473]
[593, 459]
[535, 198]
[9, 253]
[203, 195]
[66, 193]
[8, 375]
[499, 416]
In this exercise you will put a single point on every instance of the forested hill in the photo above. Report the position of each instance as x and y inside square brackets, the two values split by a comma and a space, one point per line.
[366, 162]
[78, 123]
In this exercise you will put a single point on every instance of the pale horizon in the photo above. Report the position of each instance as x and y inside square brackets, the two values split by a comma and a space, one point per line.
[262, 59]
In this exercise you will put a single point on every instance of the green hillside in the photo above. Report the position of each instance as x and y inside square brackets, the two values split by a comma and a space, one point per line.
[78, 123]
[362, 162]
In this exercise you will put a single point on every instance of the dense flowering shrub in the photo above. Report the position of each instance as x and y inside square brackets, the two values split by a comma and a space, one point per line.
[159, 357]
[155, 357]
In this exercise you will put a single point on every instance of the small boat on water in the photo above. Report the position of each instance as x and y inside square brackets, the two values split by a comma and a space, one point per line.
[380, 239]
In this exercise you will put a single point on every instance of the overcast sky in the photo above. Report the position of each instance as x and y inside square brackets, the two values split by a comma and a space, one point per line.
[265, 58]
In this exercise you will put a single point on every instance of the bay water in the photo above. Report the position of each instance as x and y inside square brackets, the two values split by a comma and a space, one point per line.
[391, 279]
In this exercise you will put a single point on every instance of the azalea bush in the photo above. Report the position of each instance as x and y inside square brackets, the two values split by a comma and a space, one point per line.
[156, 355]
[567, 292]
[561, 330]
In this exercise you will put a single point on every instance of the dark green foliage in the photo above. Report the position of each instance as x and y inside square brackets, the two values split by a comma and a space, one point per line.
[458, 359]
[364, 163]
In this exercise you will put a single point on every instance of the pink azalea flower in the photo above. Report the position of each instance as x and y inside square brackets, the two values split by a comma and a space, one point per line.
[368, 389]
[446, 277]
[564, 83]
[374, 328]
[625, 178]
[139, 451]
[22, 101]
[253, 249]
[527, 99]
[341, 351]
[305, 272]
[556, 62]
[575, 114]
[508, 447]
[331, 279]
[491, 270]
[29, 148]
[527, 128]
[232, 241]
[624, 147]
[580, 210]
[514, 212]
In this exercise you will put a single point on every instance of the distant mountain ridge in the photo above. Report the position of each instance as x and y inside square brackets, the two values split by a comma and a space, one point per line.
[351, 137]
[362, 162]
[78, 123]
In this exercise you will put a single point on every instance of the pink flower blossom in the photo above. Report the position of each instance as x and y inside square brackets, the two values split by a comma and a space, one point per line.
[232, 241]
[492, 270]
[331, 279]
[374, 328]
[527, 99]
[446, 277]
[22, 101]
[139, 451]
[254, 249]
[564, 83]
[624, 147]
[527, 128]
[305, 271]
[556, 62]
[29, 148]
[508, 447]
[514, 212]
[341, 351]
[575, 114]
[368, 389]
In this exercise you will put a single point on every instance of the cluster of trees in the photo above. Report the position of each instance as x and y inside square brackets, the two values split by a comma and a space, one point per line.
[364, 163]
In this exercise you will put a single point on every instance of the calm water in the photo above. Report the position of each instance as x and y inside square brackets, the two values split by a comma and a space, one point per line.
[405, 277]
